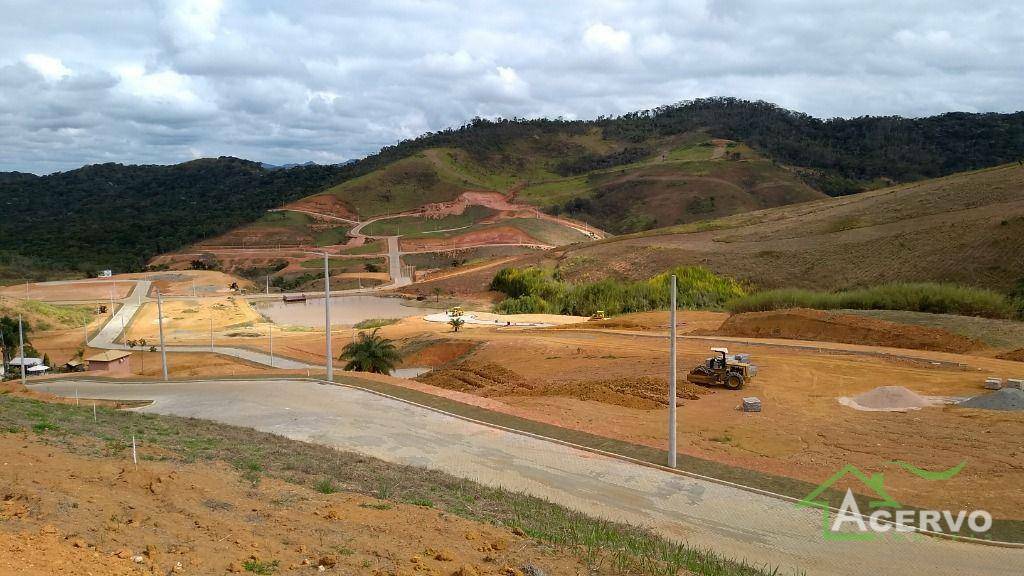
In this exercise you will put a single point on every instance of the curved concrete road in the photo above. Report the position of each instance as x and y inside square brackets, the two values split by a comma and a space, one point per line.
[734, 522]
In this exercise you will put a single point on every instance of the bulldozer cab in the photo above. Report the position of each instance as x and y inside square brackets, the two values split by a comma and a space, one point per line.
[717, 362]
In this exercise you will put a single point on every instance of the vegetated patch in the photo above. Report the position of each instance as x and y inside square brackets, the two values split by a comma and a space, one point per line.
[538, 291]
[631, 550]
[806, 324]
[995, 333]
[929, 297]
[371, 323]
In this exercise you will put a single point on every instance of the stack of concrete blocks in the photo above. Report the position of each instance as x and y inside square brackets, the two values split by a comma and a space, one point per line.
[1017, 383]
[752, 404]
[993, 383]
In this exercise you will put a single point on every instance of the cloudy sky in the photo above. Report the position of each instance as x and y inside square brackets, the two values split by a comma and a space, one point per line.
[153, 81]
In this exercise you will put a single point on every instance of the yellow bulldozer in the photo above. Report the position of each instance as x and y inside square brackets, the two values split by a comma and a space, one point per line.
[721, 369]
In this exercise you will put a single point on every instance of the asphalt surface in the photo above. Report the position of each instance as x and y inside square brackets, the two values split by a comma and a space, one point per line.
[729, 520]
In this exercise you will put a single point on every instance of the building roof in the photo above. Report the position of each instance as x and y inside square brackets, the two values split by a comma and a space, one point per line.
[74, 362]
[18, 361]
[108, 356]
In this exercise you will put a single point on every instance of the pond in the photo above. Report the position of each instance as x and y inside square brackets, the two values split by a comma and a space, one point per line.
[345, 310]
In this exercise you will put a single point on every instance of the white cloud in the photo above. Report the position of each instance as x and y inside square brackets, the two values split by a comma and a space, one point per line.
[51, 68]
[157, 82]
[604, 38]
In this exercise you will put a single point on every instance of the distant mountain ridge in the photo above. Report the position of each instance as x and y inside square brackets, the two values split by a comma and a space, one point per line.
[635, 171]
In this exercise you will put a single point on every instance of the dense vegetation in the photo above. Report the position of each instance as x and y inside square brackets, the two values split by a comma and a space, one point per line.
[915, 297]
[535, 290]
[847, 150]
[116, 216]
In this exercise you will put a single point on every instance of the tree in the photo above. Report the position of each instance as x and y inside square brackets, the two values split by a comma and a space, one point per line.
[371, 353]
[9, 337]
[437, 293]
[456, 323]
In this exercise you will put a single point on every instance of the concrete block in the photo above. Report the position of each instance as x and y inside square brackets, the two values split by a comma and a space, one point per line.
[751, 404]
[1017, 383]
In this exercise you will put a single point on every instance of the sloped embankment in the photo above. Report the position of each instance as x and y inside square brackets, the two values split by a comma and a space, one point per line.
[806, 324]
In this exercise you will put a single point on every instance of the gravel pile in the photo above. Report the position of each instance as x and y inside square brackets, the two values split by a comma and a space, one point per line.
[1005, 399]
[887, 399]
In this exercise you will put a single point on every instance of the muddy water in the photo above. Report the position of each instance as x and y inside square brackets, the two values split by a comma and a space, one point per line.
[345, 310]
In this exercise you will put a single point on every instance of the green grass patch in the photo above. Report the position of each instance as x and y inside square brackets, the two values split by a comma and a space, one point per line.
[928, 297]
[418, 225]
[537, 291]
[262, 567]
[332, 236]
[285, 219]
[368, 247]
[325, 486]
[340, 265]
[371, 323]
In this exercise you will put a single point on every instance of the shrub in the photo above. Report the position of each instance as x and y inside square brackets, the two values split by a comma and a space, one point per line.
[916, 297]
[533, 290]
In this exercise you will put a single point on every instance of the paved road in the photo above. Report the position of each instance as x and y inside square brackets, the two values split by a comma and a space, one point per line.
[107, 337]
[735, 522]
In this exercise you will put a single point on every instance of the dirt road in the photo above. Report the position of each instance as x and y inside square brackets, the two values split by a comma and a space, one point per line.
[735, 522]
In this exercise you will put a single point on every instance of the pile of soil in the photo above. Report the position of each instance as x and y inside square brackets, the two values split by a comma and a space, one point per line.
[1006, 399]
[1015, 355]
[806, 324]
[643, 393]
[887, 399]
[435, 352]
[475, 378]
[493, 380]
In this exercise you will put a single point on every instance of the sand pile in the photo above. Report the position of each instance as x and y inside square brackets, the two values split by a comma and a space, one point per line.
[887, 399]
[1005, 399]
[475, 378]
[805, 324]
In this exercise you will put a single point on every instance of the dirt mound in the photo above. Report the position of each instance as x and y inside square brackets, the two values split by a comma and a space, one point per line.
[1015, 355]
[804, 324]
[643, 393]
[436, 353]
[475, 378]
[492, 380]
[890, 398]
[1005, 399]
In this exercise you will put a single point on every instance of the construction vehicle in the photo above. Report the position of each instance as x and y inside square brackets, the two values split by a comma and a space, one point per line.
[599, 315]
[456, 311]
[732, 372]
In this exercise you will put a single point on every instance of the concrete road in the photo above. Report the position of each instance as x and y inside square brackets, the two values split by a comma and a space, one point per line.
[732, 521]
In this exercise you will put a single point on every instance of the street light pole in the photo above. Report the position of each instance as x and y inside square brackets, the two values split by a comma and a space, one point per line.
[160, 322]
[21, 345]
[672, 378]
[327, 317]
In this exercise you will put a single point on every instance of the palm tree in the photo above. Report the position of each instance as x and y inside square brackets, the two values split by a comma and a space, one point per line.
[371, 353]
[456, 323]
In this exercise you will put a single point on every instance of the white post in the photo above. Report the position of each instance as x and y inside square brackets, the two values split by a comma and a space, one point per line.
[135, 456]
[94, 411]
[672, 378]
[327, 317]
[268, 285]
[160, 323]
[271, 345]
[193, 287]
[21, 345]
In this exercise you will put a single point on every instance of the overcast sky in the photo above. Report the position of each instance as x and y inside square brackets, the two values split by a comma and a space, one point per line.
[166, 81]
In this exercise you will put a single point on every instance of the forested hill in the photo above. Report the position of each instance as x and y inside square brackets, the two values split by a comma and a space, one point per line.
[115, 216]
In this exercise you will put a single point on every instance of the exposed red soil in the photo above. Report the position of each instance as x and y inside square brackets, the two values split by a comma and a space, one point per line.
[323, 204]
[103, 516]
[438, 353]
[1015, 355]
[497, 235]
[805, 324]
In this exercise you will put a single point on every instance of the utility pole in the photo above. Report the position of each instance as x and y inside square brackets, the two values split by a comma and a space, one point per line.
[21, 345]
[327, 317]
[672, 378]
[268, 284]
[160, 323]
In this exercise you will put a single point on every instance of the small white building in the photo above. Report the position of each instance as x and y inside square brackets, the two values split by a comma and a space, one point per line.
[26, 362]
